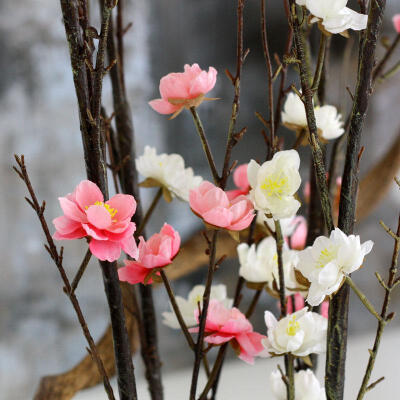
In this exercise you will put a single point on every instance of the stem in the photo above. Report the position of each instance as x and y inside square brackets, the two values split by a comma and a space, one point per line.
[363, 298]
[129, 183]
[204, 142]
[203, 317]
[253, 303]
[317, 153]
[339, 305]
[81, 270]
[383, 317]
[289, 360]
[267, 57]
[177, 310]
[379, 68]
[320, 63]
[149, 212]
[58, 260]
[89, 109]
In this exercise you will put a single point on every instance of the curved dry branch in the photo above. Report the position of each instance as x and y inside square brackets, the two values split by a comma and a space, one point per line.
[85, 375]
[383, 172]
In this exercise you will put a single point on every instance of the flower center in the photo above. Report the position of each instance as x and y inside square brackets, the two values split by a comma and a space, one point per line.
[112, 211]
[326, 256]
[293, 326]
[198, 299]
[274, 186]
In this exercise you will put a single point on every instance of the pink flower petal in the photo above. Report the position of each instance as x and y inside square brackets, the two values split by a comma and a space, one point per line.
[87, 193]
[99, 217]
[133, 273]
[163, 106]
[217, 338]
[175, 86]
[93, 232]
[396, 22]
[77, 234]
[240, 177]
[124, 204]
[71, 210]
[105, 250]
[129, 246]
[65, 225]
[218, 216]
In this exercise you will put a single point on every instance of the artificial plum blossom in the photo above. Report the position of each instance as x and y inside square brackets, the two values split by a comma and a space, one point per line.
[186, 89]
[168, 170]
[274, 183]
[326, 263]
[188, 306]
[328, 120]
[260, 263]
[396, 22]
[212, 205]
[334, 16]
[157, 252]
[300, 333]
[306, 386]
[107, 224]
[241, 182]
[230, 325]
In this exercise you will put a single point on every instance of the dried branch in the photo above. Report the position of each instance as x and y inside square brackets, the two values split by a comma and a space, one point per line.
[338, 310]
[391, 283]
[57, 258]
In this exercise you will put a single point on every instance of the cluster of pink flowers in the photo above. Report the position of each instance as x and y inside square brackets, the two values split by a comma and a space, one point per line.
[230, 325]
[108, 227]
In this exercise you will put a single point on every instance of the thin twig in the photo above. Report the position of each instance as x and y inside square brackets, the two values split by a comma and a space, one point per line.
[177, 311]
[253, 303]
[57, 258]
[81, 270]
[381, 65]
[391, 283]
[204, 143]
[149, 212]
[320, 63]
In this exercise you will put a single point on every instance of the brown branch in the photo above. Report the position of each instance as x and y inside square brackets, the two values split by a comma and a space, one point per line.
[57, 258]
[383, 318]
[381, 65]
[338, 310]
[129, 183]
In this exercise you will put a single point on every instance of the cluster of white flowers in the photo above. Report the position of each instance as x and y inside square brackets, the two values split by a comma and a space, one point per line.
[329, 121]
[334, 16]
[188, 306]
[300, 333]
[168, 170]
[306, 386]
[328, 260]
[260, 263]
[274, 183]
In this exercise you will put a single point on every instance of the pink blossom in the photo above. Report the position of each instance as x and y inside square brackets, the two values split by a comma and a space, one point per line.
[324, 310]
[156, 252]
[230, 325]
[298, 303]
[181, 90]
[396, 22]
[241, 182]
[107, 224]
[299, 236]
[212, 205]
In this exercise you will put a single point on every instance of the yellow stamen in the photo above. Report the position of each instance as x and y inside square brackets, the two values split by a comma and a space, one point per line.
[274, 187]
[326, 256]
[293, 326]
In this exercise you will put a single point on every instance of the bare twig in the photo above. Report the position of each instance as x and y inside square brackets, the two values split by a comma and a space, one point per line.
[57, 258]
[81, 270]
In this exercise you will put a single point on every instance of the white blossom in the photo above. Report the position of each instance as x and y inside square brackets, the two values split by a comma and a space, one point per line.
[294, 113]
[300, 333]
[288, 225]
[334, 16]
[274, 183]
[328, 260]
[329, 122]
[169, 171]
[188, 306]
[306, 386]
[259, 263]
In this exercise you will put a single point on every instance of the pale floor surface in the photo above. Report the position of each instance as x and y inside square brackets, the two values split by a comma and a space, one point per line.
[235, 384]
